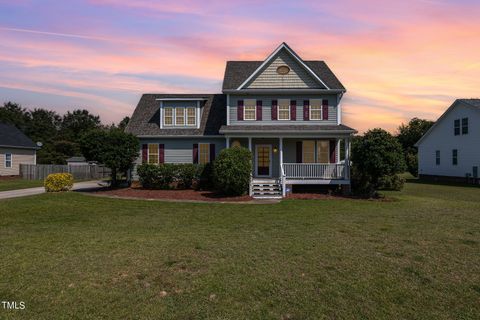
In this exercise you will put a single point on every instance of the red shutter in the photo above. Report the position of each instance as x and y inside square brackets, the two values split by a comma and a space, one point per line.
[259, 110]
[306, 109]
[161, 153]
[333, 149]
[144, 153]
[240, 110]
[212, 152]
[195, 153]
[293, 110]
[325, 109]
[299, 151]
[274, 109]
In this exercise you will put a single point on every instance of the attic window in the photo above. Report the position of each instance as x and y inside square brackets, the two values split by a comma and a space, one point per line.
[283, 70]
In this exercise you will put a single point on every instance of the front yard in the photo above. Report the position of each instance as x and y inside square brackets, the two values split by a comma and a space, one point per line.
[77, 256]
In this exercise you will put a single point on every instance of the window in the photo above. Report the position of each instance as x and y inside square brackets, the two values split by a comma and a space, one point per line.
[284, 109]
[308, 151]
[465, 126]
[168, 116]
[323, 151]
[153, 153]
[180, 116]
[315, 109]
[191, 116]
[437, 157]
[204, 153]
[454, 157]
[250, 109]
[8, 160]
[456, 127]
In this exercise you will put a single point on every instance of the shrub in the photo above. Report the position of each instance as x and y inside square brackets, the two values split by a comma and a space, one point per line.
[156, 176]
[186, 174]
[206, 179]
[57, 182]
[375, 155]
[394, 182]
[232, 170]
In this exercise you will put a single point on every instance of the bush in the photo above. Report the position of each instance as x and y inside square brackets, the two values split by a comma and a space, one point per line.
[375, 155]
[156, 176]
[206, 179]
[232, 170]
[57, 182]
[394, 182]
[186, 174]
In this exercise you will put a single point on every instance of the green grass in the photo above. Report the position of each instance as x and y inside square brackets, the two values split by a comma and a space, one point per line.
[14, 184]
[73, 256]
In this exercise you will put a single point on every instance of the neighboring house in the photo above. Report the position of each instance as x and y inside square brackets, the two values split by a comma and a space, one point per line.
[450, 150]
[77, 161]
[15, 149]
[284, 109]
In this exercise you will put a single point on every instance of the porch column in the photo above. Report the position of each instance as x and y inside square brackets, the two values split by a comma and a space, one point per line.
[280, 151]
[227, 144]
[347, 157]
[250, 144]
[337, 156]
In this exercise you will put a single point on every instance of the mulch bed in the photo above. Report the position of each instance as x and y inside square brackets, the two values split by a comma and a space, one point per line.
[171, 194]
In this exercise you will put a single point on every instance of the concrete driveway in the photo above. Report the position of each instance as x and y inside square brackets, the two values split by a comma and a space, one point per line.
[79, 186]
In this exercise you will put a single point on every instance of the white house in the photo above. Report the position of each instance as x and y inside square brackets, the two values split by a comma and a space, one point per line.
[450, 150]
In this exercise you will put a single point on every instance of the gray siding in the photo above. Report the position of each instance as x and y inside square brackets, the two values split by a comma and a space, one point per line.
[178, 150]
[298, 77]
[267, 109]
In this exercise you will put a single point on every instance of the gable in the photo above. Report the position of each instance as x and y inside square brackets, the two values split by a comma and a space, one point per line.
[297, 77]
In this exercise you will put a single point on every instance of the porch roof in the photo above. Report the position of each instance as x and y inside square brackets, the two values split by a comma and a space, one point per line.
[287, 129]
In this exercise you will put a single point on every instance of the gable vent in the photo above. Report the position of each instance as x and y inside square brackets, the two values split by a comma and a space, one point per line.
[283, 70]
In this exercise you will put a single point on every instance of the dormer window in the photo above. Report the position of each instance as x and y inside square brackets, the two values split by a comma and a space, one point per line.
[168, 116]
[284, 109]
[179, 116]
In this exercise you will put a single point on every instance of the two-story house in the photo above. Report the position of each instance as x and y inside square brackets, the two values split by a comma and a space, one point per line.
[285, 110]
[450, 150]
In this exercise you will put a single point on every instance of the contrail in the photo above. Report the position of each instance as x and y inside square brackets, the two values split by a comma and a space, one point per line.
[58, 34]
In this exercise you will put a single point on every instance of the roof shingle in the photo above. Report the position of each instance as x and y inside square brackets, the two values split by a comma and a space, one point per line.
[11, 136]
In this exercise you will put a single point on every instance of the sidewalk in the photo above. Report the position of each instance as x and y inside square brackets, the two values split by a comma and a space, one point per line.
[86, 185]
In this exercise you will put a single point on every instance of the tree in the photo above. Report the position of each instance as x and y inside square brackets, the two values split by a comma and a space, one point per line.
[123, 124]
[375, 155]
[14, 114]
[43, 125]
[78, 122]
[114, 148]
[408, 135]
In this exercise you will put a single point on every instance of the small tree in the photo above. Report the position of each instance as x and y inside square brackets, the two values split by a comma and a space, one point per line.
[114, 148]
[375, 155]
[232, 170]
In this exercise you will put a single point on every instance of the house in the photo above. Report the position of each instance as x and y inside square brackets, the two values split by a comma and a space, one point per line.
[450, 150]
[286, 110]
[15, 149]
[77, 161]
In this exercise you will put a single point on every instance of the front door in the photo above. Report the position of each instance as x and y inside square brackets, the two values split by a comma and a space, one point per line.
[263, 160]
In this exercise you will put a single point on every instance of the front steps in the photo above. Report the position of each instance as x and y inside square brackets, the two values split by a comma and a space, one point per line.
[266, 189]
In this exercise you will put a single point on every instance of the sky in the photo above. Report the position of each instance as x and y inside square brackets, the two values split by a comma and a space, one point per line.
[397, 59]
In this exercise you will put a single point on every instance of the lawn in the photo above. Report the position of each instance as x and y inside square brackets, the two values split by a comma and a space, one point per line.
[17, 183]
[74, 256]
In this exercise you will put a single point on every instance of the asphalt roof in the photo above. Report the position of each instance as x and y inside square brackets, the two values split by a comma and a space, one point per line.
[11, 136]
[472, 102]
[236, 72]
[145, 118]
[286, 128]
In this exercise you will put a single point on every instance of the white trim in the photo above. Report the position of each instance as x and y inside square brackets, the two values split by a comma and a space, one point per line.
[272, 55]
[270, 167]
[11, 160]
[197, 120]
[228, 109]
[161, 115]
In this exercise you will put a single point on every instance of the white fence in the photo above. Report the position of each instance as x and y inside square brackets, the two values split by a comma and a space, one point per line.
[314, 171]
[79, 172]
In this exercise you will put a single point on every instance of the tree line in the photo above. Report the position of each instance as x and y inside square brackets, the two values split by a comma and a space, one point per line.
[60, 135]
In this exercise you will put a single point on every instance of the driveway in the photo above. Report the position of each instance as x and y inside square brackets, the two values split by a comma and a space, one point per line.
[79, 186]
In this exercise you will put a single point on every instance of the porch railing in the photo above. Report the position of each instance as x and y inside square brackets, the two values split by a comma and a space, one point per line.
[315, 171]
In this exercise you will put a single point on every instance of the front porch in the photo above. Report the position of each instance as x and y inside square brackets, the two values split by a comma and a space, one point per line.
[280, 162]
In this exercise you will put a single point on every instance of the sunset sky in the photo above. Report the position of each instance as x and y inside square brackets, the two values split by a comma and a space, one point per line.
[397, 59]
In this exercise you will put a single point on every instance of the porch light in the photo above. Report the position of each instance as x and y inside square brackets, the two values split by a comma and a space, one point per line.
[275, 149]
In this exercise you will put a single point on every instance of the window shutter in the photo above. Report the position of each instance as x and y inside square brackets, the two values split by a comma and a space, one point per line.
[144, 153]
[306, 111]
[325, 109]
[240, 110]
[274, 109]
[293, 110]
[212, 152]
[259, 110]
[333, 149]
[195, 153]
[299, 151]
[161, 153]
